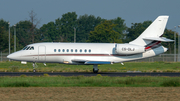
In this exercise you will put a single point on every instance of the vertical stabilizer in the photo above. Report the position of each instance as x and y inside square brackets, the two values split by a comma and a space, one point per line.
[155, 30]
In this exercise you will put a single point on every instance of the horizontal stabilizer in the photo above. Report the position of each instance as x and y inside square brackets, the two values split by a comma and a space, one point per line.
[163, 39]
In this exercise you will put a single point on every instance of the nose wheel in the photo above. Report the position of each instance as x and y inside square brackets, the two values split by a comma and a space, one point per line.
[34, 70]
[34, 66]
[95, 69]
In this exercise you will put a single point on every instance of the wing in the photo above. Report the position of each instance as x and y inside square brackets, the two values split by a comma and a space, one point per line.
[89, 62]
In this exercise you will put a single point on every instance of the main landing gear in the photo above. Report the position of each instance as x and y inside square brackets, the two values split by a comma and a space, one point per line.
[95, 69]
[34, 66]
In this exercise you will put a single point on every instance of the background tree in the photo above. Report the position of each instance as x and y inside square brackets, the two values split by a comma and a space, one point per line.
[23, 30]
[65, 26]
[49, 33]
[34, 23]
[4, 36]
[4, 24]
[85, 25]
[120, 27]
[136, 29]
[104, 33]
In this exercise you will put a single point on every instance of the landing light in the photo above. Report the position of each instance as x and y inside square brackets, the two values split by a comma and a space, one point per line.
[66, 62]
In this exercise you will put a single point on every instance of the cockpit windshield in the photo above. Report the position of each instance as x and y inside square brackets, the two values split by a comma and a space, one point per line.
[28, 48]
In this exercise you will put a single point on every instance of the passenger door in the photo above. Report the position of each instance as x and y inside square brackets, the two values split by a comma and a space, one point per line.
[42, 53]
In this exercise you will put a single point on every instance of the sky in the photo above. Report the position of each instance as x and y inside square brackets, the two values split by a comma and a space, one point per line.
[132, 11]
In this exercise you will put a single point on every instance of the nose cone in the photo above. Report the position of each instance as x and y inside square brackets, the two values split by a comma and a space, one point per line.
[9, 56]
[14, 56]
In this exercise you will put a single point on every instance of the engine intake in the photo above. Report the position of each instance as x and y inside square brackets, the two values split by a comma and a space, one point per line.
[129, 49]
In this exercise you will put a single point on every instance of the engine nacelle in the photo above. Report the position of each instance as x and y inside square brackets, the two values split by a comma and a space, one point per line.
[129, 49]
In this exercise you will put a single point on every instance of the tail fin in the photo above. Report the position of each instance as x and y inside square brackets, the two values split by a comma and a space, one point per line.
[153, 32]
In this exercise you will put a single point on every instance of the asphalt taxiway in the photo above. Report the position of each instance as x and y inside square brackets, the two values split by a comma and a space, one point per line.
[113, 74]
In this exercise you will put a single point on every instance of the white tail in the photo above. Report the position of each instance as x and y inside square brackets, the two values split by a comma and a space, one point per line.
[153, 32]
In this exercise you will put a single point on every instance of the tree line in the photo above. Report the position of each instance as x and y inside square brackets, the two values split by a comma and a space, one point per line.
[88, 29]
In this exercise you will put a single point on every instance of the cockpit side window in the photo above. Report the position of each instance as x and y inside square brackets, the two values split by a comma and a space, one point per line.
[24, 48]
[32, 48]
[28, 48]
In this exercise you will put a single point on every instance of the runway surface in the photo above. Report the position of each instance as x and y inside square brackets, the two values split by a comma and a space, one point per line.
[87, 74]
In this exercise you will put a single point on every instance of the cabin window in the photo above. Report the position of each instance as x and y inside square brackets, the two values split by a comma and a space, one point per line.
[75, 50]
[89, 50]
[54, 50]
[80, 50]
[71, 50]
[63, 50]
[67, 50]
[59, 50]
[85, 50]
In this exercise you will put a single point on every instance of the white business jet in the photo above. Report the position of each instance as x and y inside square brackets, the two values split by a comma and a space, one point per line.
[148, 44]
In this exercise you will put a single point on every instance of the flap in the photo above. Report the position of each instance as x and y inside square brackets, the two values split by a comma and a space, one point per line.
[79, 61]
[97, 62]
[89, 62]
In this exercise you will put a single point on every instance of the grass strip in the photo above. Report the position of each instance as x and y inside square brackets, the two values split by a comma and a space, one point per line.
[94, 81]
[15, 66]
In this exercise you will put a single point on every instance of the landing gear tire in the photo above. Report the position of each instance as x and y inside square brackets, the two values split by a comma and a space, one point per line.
[34, 70]
[95, 68]
[95, 71]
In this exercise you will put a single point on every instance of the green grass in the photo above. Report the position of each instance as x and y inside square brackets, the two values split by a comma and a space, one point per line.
[13, 66]
[94, 81]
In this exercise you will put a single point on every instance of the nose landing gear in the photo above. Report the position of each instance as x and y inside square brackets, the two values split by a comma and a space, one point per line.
[95, 69]
[34, 66]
